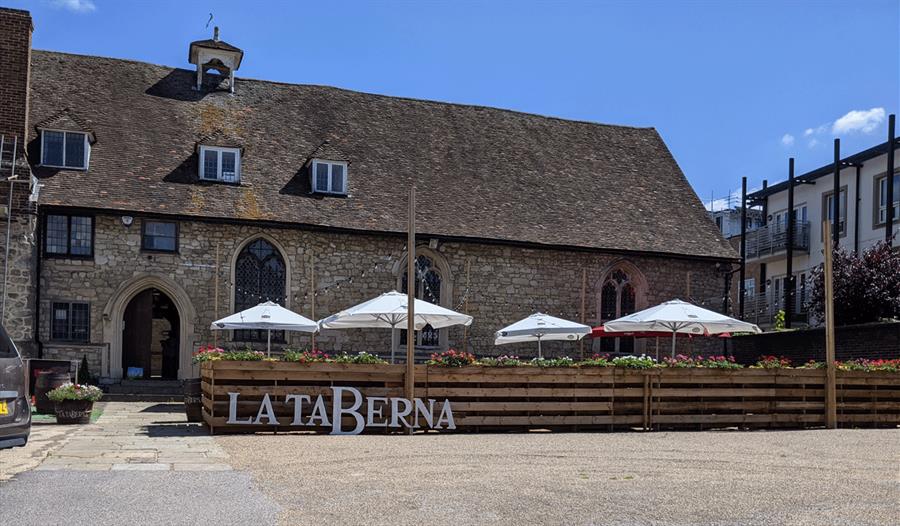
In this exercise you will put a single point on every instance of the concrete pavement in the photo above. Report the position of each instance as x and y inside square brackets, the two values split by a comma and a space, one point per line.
[140, 463]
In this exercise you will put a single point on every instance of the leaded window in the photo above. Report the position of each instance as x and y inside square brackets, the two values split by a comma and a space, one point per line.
[259, 276]
[427, 288]
[617, 299]
[70, 322]
[71, 236]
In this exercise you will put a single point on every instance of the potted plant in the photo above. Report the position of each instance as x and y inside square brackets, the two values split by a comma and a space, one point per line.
[74, 402]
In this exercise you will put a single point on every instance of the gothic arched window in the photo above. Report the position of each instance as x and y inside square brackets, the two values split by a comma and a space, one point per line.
[259, 276]
[617, 299]
[428, 288]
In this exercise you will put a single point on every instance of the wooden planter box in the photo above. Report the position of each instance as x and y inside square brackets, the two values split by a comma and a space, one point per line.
[522, 398]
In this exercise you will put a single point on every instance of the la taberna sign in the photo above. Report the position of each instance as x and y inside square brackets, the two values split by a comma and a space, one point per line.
[404, 413]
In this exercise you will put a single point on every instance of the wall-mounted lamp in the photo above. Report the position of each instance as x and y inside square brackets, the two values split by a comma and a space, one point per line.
[127, 220]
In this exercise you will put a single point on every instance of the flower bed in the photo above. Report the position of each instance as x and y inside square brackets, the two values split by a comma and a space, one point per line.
[454, 358]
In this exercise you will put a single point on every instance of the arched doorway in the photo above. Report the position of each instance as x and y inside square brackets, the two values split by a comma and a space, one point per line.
[151, 336]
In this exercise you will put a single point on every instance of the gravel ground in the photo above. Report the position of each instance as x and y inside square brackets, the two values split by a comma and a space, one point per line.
[781, 477]
[99, 498]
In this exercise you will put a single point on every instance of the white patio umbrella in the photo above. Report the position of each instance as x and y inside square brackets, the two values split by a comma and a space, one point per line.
[679, 317]
[269, 316]
[541, 327]
[388, 311]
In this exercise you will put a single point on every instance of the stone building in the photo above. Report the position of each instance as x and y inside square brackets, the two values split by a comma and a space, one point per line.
[169, 197]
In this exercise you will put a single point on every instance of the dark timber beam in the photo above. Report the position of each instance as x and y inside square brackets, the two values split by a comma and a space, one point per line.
[789, 273]
[889, 213]
[741, 291]
[836, 199]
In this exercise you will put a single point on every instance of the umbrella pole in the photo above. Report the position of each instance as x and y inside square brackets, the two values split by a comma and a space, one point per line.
[540, 354]
[268, 343]
[393, 342]
[673, 343]
[657, 348]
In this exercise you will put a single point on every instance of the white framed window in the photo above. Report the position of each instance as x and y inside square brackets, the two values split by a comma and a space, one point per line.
[220, 164]
[881, 200]
[828, 212]
[65, 149]
[328, 177]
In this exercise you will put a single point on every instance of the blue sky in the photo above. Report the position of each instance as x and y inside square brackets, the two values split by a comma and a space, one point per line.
[735, 88]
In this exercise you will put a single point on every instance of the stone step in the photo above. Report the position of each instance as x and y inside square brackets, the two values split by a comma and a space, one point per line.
[148, 387]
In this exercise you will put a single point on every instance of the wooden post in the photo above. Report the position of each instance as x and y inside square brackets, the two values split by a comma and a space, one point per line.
[216, 296]
[583, 317]
[411, 297]
[830, 383]
[465, 342]
[312, 294]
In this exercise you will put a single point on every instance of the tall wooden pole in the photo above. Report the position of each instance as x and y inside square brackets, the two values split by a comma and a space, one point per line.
[411, 297]
[583, 317]
[830, 387]
[312, 294]
[216, 296]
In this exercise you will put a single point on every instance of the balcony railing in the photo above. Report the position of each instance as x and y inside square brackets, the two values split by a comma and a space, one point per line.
[761, 308]
[773, 238]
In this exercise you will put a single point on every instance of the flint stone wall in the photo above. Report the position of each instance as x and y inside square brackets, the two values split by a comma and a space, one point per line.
[503, 283]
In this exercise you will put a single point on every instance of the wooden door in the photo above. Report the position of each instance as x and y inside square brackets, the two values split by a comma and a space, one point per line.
[138, 332]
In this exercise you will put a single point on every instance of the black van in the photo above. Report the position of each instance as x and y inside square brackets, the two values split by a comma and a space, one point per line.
[15, 411]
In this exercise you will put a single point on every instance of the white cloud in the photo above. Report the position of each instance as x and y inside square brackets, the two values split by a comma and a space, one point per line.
[865, 121]
[78, 6]
[808, 132]
[787, 139]
[812, 143]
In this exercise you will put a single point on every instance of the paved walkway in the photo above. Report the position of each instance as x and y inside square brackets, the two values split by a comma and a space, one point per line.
[140, 463]
[139, 436]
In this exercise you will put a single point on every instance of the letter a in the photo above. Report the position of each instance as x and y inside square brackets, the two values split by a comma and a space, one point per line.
[266, 407]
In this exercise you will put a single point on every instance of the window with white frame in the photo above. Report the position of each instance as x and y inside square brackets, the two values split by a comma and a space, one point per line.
[64, 149]
[329, 177]
[882, 200]
[220, 164]
[828, 212]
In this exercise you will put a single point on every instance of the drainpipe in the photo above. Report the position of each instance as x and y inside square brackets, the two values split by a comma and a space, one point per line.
[39, 244]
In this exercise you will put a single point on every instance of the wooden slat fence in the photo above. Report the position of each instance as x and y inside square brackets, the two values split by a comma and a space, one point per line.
[522, 398]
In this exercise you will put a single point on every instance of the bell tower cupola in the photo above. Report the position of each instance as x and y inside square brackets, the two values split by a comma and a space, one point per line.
[216, 62]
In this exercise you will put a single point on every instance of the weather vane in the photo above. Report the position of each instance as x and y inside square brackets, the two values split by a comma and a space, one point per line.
[210, 20]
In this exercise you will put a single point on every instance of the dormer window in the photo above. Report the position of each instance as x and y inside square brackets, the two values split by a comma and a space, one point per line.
[220, 164]
[329, 177]
[65, 149]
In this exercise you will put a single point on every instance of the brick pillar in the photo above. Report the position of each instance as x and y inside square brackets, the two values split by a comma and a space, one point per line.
[17, 274]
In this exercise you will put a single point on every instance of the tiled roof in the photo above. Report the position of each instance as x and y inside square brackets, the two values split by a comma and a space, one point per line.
[480, 173]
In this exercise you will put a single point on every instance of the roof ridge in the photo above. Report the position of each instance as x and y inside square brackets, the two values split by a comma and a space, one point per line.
[368, 93]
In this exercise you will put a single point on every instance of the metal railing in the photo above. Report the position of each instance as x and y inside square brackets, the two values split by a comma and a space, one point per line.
[761, 308]
[769, 239]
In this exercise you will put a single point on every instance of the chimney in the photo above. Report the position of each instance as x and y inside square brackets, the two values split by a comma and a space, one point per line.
[15, 63]
[216, 34]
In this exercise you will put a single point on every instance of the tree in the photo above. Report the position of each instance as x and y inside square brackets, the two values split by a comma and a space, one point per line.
[84, 372]
[866, 286]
